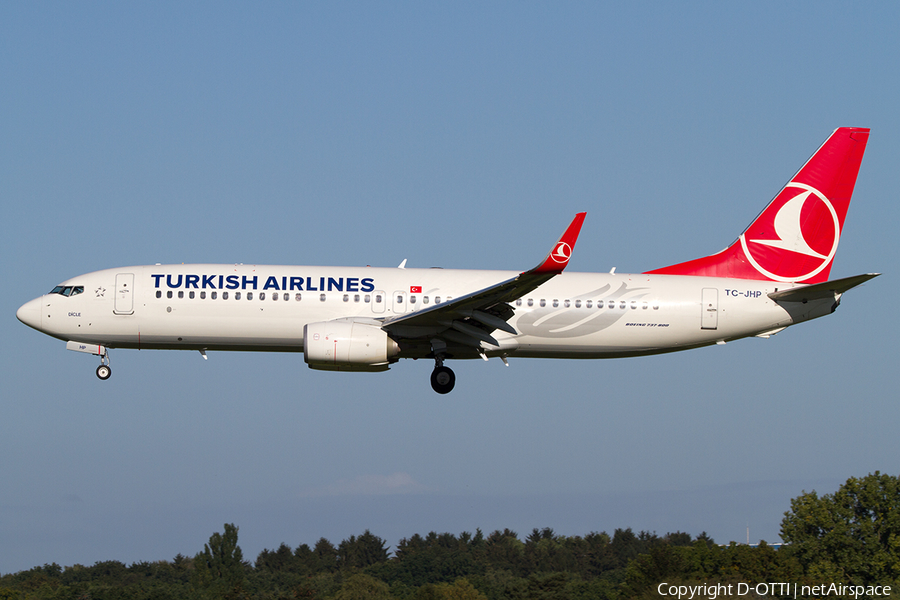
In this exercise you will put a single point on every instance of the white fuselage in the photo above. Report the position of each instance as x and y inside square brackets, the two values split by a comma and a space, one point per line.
[265, 308]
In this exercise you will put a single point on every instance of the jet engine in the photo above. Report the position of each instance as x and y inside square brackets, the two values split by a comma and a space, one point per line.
[346, 345]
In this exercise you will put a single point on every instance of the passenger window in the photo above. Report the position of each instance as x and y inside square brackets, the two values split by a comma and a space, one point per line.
[555, 303]
[622, 304]
[262, 295]
[346, 297]
[566, 303]
[191, 294]
[287, 296]
[424, 299]
[275, 297]
[298, 296]
[203, 295]
[656, 307]
[249, 295]
[159, 293]
[181, 293]
[531, 302]
[633, 304]
[543, 303]
[644, 306]
[224, 295]
[367, 298]
[321, 297]
[412, 299]
[578, 304]
[518, 302]
[237, 295]
[587, 304]
[213, 295]
[437, 299]
[377, 298]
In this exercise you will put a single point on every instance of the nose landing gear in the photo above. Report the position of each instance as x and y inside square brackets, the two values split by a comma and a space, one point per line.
[103, 371]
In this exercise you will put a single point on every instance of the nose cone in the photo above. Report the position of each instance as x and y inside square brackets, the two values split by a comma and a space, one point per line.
[30, 314]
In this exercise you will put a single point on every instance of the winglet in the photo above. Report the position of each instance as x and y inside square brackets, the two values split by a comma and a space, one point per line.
[559, 257]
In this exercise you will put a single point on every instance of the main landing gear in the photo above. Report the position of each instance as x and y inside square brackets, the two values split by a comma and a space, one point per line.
[103, 371]
[442, 378]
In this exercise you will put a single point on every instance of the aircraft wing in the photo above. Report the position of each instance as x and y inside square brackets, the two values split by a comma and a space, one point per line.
[470, 319]
[818, 291]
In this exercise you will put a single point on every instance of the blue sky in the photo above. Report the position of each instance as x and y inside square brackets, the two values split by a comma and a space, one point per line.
[459, 135]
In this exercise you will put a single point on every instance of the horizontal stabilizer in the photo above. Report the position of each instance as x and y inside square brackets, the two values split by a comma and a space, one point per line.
[820, 291]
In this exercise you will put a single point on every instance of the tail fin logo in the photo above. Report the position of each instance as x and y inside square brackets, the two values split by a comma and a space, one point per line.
[799, 240]
[562, 253]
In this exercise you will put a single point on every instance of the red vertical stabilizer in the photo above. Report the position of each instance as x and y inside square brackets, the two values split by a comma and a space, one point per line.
[796, 237]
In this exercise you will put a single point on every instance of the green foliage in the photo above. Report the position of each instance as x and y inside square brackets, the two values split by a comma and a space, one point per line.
[504, 551]
[460, 589]
[852, 535]
[363, 587]
[219, 569]
[360, 552]
[435, 558]
[325, 556]
[9, 594]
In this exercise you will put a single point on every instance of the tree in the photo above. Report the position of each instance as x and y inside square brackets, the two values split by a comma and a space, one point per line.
[282, 559]
[460, 589]
[363, 587]
[325, 555]
[503, 550]
[363, 551]
[219, 569]
[852, 535]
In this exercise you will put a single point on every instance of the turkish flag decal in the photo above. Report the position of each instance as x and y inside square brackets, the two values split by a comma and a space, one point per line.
[415, 289]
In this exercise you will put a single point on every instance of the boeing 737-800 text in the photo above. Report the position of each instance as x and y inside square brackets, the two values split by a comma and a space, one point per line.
[365, 319]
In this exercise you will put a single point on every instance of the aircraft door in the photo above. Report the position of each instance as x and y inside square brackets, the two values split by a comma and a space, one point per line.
[124, 294]
[709, 306]
[399, 302]
[379, 299]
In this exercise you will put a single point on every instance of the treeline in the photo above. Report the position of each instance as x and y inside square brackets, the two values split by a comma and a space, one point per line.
[439, 565]
[851, 537]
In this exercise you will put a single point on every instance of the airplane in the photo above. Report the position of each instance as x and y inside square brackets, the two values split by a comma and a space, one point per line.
[775, 274]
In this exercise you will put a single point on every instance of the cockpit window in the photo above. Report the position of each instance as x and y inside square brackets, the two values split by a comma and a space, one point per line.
[68, 290]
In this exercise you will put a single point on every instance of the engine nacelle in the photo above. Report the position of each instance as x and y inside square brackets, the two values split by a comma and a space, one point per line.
[343, 345]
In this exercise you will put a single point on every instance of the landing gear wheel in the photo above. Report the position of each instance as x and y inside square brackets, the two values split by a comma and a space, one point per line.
[103, 372]
[442, 380]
